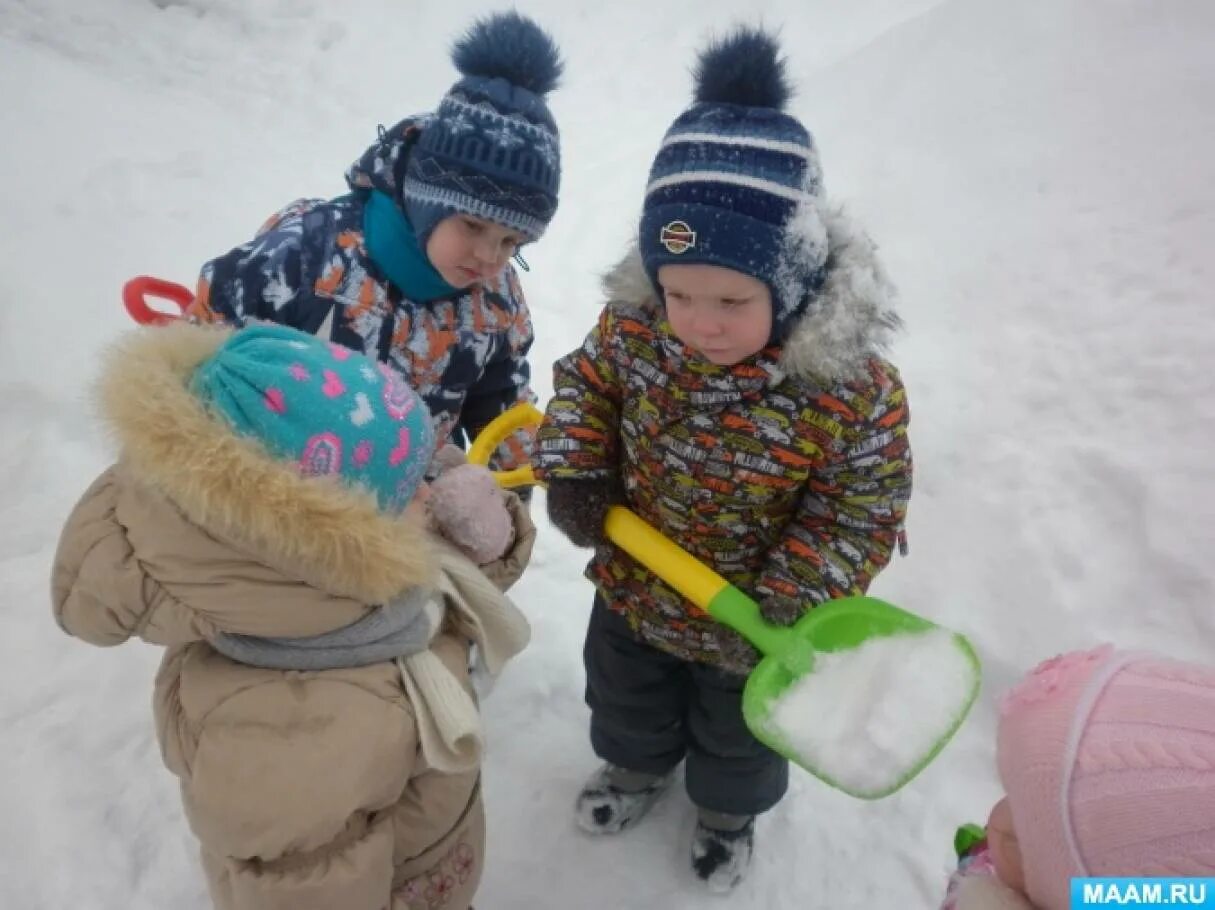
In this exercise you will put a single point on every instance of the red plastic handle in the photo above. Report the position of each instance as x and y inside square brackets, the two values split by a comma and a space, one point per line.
[136, 291]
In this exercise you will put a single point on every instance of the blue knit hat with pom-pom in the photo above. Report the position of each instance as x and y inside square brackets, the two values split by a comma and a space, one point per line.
[491, 149]
[322, 408]
[737, 182]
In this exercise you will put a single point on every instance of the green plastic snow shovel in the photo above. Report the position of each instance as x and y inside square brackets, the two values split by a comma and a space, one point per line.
[931, 675]
[832, 633]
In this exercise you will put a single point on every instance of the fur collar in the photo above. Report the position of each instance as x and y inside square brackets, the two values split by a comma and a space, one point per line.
[319, 531]
[851, 320]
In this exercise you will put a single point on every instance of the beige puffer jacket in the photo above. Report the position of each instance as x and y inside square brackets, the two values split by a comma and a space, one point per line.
[308, 789]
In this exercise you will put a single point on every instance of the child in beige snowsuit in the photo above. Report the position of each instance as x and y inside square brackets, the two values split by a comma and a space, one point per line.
[263, 523]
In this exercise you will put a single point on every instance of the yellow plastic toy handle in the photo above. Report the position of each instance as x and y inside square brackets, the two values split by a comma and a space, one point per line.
[683, 571]
[524, 414]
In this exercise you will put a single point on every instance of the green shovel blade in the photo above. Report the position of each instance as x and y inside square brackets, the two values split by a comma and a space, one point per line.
[834, 633]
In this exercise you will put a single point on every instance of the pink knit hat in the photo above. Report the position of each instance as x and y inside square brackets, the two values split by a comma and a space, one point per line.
[1108, 759]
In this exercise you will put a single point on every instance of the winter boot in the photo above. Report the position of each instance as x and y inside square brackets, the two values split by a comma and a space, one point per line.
[613, 798]
[721, 849]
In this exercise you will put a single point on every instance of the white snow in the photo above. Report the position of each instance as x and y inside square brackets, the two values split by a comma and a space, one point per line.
[1040, 177]
[865, 718]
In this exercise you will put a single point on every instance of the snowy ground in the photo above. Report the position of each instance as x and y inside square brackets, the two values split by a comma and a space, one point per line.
[1041, 177]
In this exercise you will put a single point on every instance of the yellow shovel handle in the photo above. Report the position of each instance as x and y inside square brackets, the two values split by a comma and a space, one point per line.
[670, 562]
[524, 414]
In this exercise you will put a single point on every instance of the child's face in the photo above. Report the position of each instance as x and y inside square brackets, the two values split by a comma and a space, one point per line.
[1004, 847]
[724, 315]
[465, 250]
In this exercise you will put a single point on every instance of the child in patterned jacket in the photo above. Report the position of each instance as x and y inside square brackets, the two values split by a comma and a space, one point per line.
[1108, 761]
[734, 395]
[412, 266]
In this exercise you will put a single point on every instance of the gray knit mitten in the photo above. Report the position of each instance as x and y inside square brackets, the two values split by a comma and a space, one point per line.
[738, 655]
[781, 610]
[578, 506]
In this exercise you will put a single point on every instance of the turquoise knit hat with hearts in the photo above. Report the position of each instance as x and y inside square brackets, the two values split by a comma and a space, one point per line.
[322, 407]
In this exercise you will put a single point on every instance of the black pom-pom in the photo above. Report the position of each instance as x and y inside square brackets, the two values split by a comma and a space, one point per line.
[746, 68]
[511, 47]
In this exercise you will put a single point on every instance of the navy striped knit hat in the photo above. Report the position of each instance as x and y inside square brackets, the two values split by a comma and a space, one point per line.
[737, 181]
[491, 149]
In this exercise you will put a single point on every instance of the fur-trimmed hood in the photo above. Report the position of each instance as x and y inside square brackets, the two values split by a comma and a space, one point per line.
[849, 321]
[317, 530]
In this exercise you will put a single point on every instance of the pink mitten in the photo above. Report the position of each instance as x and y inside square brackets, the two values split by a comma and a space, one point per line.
[447, 457]
[468, 508]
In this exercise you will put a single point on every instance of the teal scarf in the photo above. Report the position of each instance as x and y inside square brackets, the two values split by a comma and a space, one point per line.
[393, 247]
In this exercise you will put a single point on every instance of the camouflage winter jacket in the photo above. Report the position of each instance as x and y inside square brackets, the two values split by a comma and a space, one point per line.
[309, 267]
[788, 473]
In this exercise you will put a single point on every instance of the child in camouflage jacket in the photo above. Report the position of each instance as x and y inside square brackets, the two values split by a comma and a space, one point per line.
[412, 266]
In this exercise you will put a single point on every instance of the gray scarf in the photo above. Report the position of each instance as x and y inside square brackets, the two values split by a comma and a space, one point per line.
[399, 628]
[448, 721]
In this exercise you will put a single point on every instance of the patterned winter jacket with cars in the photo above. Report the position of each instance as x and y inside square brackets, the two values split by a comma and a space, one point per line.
[309, 790]
[310, 266]
[788, 473]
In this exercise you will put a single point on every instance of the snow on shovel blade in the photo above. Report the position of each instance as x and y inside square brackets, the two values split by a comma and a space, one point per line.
[862, 695]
